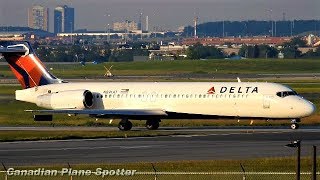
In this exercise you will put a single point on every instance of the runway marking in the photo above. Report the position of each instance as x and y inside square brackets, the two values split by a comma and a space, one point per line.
[77, 140]
[80, 148]
[196, 135]
[227, 134]
[135, 147]
[249, 133]
[239, 132]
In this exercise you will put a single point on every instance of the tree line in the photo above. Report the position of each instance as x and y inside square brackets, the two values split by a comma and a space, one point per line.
[87, 52]
[105, 52]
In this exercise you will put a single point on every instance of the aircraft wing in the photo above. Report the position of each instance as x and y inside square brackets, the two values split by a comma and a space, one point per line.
[107, 112]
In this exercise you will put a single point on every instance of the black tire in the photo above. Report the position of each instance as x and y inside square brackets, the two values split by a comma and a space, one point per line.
[294, 126]
[152, 124]
[125, 126]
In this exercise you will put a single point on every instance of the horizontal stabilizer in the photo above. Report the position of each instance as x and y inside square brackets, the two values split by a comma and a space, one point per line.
[12, 50]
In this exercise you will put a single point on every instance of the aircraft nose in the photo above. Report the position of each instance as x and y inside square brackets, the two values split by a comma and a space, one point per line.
[309, 108]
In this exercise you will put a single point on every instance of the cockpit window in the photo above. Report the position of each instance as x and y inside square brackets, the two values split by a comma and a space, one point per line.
[287, 93]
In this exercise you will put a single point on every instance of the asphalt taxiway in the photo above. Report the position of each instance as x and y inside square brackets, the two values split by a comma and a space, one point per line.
[234, 143]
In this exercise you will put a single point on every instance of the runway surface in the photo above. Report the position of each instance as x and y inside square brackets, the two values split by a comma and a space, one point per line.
[217, 144]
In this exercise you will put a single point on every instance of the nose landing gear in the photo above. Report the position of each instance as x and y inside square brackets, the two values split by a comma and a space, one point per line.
[294, 123]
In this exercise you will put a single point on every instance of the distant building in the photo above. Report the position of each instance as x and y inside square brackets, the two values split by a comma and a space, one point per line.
[38, 18]
[63, 19]
[125, 26]
[22, 33]
[257, 40]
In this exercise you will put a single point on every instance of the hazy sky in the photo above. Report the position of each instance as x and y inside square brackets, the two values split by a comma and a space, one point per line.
[91, 14]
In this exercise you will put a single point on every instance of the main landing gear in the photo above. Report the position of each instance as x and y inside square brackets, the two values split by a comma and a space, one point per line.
[294, 123]
[153, 124]
[126, 125]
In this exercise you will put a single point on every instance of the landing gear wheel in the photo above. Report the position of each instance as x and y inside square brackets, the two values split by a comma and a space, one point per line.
[294, 123]
[125, 126]
[152, 124]
[294, 126]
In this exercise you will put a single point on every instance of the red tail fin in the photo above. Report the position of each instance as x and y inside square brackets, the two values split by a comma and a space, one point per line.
[25, 65]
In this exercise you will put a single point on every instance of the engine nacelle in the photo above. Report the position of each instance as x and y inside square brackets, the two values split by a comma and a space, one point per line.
[73, 99]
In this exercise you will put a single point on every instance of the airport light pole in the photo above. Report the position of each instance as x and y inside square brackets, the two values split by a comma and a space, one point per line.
[71, 29]
[297, 144]
[6, 174]
[314, 162]
[270, 11]
[107, 27]
[108, 36]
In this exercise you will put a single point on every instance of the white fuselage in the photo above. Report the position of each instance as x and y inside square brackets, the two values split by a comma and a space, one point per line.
[225, 99]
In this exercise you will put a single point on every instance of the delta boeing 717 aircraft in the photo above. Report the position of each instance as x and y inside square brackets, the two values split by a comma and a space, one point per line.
[150, 101]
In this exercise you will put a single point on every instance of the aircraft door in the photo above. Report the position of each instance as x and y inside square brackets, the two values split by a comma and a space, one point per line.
[266, 101]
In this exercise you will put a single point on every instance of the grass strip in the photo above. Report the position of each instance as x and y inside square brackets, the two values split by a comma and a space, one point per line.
[273, 164]
[256, 66]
